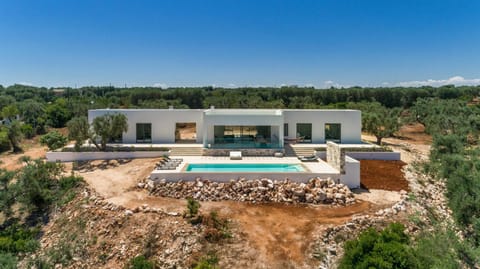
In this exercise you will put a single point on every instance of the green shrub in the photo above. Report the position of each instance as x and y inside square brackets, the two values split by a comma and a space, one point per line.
[386, 249]
[192, 211]
[216, 228]
[209, 261]
[27, 130]
[15, 239]
[437, 250]
[8, 261]
[54, 140]
[4, 142]
[140, 262]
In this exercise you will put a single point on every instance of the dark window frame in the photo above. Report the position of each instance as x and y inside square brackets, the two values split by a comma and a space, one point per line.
[144, 138]
[329, 131]
[304, 138]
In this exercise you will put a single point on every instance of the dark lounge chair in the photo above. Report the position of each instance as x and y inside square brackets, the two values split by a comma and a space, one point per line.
[310, 158]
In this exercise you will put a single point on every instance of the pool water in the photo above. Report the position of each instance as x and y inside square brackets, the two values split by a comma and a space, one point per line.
[244, 167]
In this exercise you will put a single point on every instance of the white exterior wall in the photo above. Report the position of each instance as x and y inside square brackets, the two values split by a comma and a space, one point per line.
[163, 122]
[351, 178]
[350, 120]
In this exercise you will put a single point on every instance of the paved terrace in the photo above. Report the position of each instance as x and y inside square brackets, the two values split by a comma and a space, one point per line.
[313, 169]
[198, 145]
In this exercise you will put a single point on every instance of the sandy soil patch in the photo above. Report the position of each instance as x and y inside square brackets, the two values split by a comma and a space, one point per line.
[31, 148]
[111, 178]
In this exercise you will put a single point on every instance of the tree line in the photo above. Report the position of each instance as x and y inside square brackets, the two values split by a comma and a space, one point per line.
[27, 110]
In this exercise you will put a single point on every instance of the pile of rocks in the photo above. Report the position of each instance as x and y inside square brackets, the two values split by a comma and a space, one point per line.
[315, 191]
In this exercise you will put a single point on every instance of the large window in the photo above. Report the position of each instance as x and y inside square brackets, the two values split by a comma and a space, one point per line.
[144, 133]
[333, 132]
[304, 132]
[285, 129]
[237, 136]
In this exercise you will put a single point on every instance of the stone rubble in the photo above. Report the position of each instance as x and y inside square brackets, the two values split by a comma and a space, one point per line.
[426, 195]
[315, 191]
[328, 247]
[119, 236]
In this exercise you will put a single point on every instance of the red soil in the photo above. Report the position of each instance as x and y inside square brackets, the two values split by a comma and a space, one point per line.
[385, 175]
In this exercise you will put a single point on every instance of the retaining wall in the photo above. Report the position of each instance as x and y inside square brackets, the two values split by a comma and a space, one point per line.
[386, 156]
[54, 156]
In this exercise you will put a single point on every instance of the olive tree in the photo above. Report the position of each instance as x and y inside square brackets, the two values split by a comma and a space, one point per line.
[379, 121]
[102, 130]
[54, 140]
[78, 130]
[106, 128]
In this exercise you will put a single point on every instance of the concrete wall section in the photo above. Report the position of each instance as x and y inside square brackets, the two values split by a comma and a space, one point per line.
[350, 120]
[386, 156]
[54, 156]
[351, 178]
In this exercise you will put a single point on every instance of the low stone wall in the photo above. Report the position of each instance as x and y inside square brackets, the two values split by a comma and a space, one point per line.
[245, 152]
[54, 156]
[175, 176]
[315, 190]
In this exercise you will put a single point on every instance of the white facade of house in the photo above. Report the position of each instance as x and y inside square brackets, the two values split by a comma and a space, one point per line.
[238, 127]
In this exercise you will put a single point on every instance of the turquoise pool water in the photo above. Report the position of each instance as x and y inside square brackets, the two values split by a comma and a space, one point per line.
[244, 167]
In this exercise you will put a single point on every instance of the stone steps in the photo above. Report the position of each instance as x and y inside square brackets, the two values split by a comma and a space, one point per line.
[186, 151]
[298, 151]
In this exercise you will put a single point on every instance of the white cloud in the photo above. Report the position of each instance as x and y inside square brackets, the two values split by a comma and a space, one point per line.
[25, 83]
[331, 83]
[160, 85]
[456, 80]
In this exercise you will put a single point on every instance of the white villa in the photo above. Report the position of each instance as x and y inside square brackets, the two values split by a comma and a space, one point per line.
[238, 128]
[314, 142]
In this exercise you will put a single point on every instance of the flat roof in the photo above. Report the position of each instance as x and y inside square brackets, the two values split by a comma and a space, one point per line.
[230, 111]
[262, 112]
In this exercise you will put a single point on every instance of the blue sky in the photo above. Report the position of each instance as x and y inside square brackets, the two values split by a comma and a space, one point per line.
[239, 42]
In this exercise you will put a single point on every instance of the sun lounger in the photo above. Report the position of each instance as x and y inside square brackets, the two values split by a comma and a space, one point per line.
[235, 155]
[310, 158]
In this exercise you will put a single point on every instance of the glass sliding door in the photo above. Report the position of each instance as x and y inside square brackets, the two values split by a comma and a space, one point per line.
[304, 132]
[243, 136]
[144, 133]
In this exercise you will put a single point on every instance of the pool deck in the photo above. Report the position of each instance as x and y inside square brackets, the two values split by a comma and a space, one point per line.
[313, 169]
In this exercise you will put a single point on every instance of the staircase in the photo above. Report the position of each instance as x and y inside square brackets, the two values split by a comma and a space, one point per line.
[186, 151]
[292, 151]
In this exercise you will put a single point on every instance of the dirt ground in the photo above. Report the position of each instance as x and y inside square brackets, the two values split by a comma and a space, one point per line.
[31, 148]
[409, 138]
[385, 175]
[274, 234]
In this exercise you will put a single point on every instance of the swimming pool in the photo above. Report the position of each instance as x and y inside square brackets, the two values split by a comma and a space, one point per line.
[244, 167]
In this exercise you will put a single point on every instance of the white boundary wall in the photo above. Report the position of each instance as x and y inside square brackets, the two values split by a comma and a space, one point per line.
[351, 178]
[53, 156]
[386, 156]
